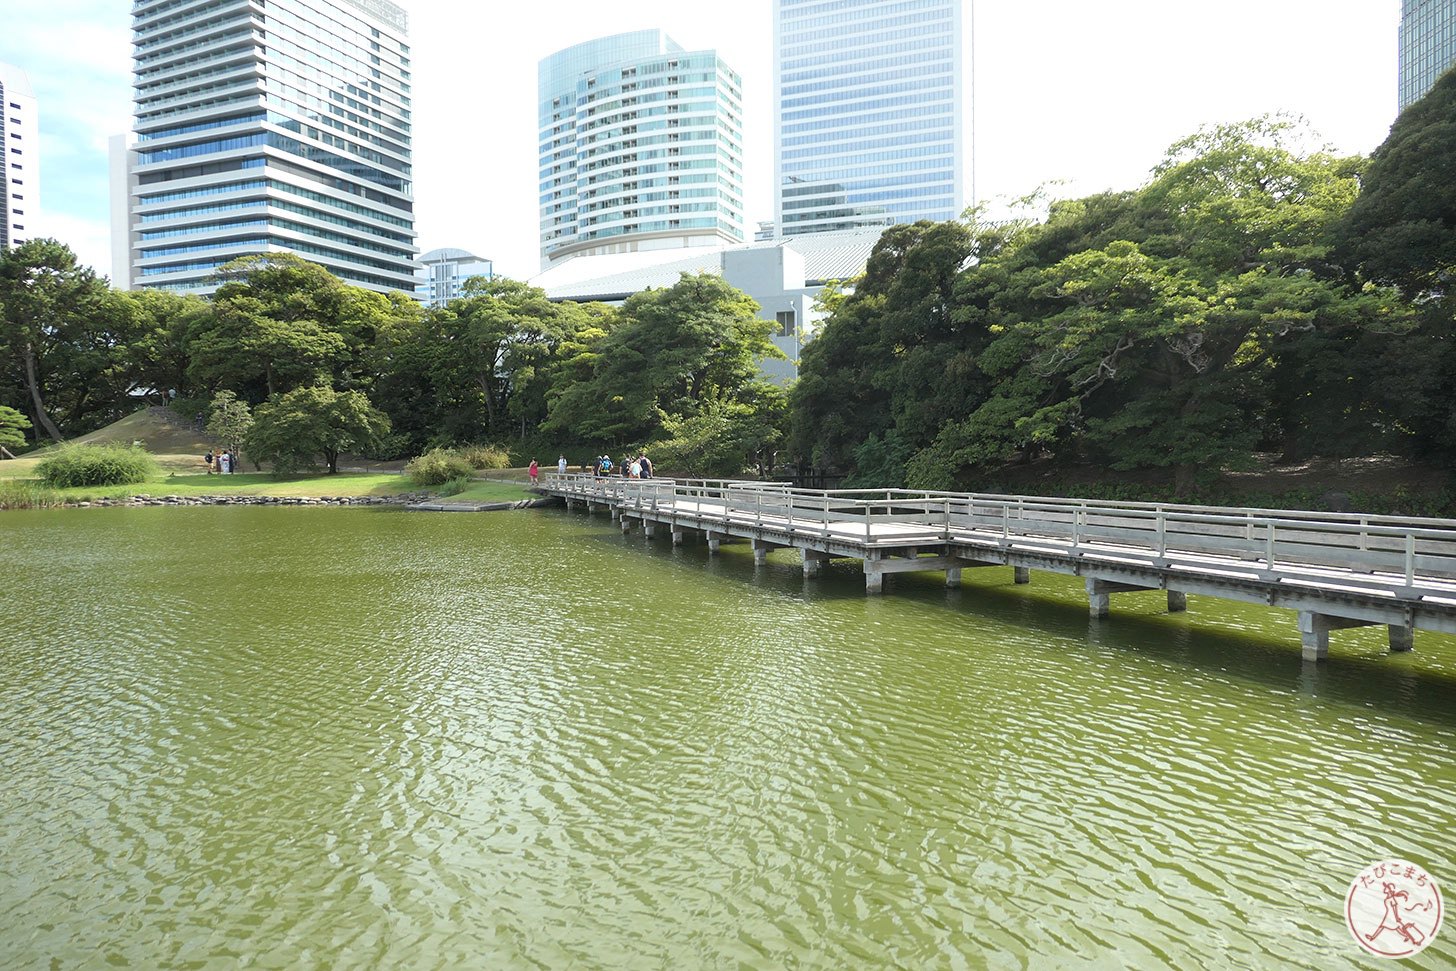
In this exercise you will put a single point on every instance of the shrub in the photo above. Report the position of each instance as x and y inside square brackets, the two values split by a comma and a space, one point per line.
[16, 494]
[95, 465]
[438, 465]
[484, 456]
[453, 487]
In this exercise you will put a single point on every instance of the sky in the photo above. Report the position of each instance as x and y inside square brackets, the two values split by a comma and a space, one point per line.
[1079, 96]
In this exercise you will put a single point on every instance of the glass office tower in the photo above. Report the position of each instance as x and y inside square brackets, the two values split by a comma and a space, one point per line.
[641, 147]
[1427, 46]
[867, 113]
[269, 127]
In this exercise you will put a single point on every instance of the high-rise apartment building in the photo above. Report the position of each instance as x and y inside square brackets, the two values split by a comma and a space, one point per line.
[867, 113]
[641, 147]
[277, 127]
[20, 150]
[1427, 46]
[441, 274]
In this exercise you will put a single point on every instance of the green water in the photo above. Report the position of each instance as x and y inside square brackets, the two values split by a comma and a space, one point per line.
[289, 738]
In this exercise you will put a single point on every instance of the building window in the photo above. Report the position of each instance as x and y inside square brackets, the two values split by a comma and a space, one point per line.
[785, 319]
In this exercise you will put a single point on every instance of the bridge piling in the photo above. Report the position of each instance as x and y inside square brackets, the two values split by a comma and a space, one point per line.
[677, 536]
[1402, 639]
[1022, 574]
[953, 577]
[1177, 601]
[874, 577]
[813, 562]
[713, 540]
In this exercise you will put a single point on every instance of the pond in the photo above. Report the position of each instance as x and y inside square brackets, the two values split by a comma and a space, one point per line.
[366, 738]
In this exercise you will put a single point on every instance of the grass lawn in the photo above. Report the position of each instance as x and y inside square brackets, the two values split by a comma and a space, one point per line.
[265, 484]
[244, 484]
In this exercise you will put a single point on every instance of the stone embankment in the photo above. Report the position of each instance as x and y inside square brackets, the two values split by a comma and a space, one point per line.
[404, 499]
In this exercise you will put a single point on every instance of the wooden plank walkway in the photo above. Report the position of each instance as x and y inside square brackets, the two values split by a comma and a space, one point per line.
[1336, 570]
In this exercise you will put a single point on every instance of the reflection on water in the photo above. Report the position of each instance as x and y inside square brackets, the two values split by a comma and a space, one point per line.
[366, 738]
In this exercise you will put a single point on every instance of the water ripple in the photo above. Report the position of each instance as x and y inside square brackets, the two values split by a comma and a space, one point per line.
[358, 738]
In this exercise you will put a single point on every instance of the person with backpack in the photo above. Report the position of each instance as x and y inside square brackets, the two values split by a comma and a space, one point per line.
[207, 459]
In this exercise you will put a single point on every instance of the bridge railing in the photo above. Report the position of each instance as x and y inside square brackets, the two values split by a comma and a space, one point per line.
[1390, 551]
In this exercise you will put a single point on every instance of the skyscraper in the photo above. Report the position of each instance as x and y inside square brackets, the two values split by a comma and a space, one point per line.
[1427, 46]
[266, 128]
[641, 147]
[20, 150]
[867, 113]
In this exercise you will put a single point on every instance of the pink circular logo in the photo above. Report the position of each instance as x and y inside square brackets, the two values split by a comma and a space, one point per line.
[1393, 909]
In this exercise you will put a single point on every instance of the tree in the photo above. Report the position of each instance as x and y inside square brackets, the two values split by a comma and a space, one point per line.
[495, 336]
[47, 302]
[1402, 228]
[1401, 232]
[672, 351]
[230, 420]
[314, 422]
[159, 358]
[12, 428]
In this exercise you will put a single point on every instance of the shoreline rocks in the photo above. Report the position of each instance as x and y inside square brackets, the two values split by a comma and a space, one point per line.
[137, 501]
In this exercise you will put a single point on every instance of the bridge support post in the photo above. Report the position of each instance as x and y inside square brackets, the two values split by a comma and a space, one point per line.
[649, 529]
[874, 577]
[713, 540]
[1099, 599]
[953, 577]
[677, 536]
[1022, 574]
[1314, 632]
[1177, 601]
[1402, 639]
[626, 524]
[814, 562]
[615, 514]
[760, 552]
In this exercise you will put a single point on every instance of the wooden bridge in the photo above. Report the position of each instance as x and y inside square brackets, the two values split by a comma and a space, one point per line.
[1336, 570]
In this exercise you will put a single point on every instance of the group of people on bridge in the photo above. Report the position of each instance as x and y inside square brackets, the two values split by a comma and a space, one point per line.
[602, 465]
[638, 468]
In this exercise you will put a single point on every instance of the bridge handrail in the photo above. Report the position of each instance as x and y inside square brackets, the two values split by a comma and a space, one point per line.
[1293, 518]
[1289, 535]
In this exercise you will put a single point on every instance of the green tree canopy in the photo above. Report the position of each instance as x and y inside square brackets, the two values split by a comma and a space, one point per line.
[316, 422]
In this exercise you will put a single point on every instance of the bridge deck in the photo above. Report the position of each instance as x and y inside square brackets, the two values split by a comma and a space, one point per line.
[1336, 570]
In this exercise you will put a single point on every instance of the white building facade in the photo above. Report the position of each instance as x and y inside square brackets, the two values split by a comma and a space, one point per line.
[641, 147]
[868, 116]
[20, 148]
[441, 275]
[1427, 46]
[277, 127]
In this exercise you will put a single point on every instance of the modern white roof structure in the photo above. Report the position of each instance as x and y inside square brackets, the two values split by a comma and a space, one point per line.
[614, 277]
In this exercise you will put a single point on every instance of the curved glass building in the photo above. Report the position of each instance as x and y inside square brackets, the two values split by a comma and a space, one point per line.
[867, 113]
[641, 147]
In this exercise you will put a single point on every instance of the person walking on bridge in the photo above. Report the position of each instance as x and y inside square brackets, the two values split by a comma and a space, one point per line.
[561, 465]
[535, 471]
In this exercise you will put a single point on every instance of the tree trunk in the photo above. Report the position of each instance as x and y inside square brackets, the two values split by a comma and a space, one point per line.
[43, 419]
[488, 390]
[332, 458]
[268, 374]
